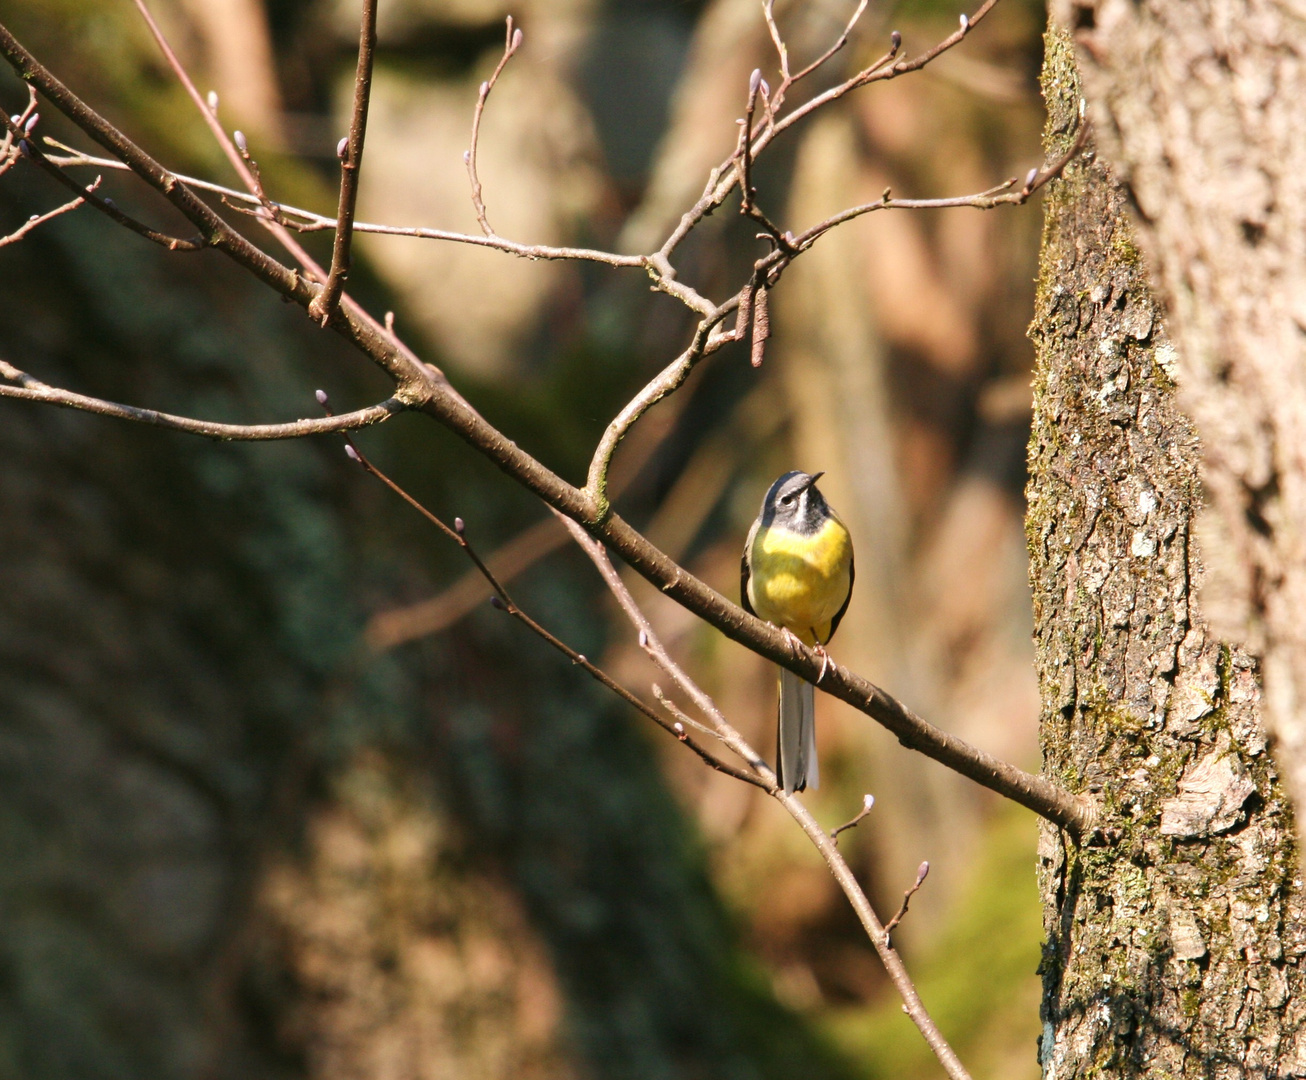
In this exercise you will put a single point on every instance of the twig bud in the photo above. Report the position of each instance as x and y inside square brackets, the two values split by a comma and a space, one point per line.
[24, 148]
[867, 802]
[895, 39]
[678, 728]
[467, 157]
[754, 81]
[485, 89]
[342, 148]
[459, 526]
[321, 396]
[31, 123]
[643, 639]
[495, 602]
[241, 144]
[766, 88]
[15, 118]
[516, 39]
[965, 22]
[352, 453]
[34, 217]
[580, 658]
[213, 101]
[110, 203]
[1030, 178]
[922, 872]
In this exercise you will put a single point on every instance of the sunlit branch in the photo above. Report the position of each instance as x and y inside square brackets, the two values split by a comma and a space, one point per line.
[351, 163]
[512, 42]
[30, 388]
[504, 602]
[306, 221]
[37, 220]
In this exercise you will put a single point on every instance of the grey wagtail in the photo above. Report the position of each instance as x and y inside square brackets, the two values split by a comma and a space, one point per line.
[797, 573]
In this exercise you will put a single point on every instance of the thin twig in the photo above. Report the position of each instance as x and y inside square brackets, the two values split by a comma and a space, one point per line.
[664, 383]
[880, 70]
[324, 304]
[512, 42]
[879, 936]
[37, 220]
[8, 151]
[29, 150]
[922, 872]
[30, 388]
[1000, 195]
[388, 629]
[306, 221]
[679, 713]
[868, 801]
[239, 159]
[821, 60]
[505, 603]
[747, 193]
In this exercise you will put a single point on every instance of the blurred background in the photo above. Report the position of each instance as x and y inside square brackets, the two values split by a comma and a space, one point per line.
[280, 794]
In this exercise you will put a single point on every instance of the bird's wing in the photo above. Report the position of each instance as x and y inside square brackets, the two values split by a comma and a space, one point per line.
[745, 572]
[852, 573]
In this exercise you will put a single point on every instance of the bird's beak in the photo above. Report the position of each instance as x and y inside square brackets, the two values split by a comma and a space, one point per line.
[811, 483]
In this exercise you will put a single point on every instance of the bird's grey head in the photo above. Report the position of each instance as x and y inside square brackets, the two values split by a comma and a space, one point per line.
[794, 503]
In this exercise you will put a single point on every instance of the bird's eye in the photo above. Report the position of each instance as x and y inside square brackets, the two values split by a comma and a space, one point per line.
[786, 500]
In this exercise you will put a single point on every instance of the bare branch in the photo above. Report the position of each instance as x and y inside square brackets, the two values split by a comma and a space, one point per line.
[883, 69]
[307, 221]
[8, 151]
[351, 163]
[666, 382]
[879, 936]
[921, 873]
[37, 220]
[512, 43]
[30, 388]
[868, 803]
[821, 60]
[504, 602]
[1001, 195]
[27, 149]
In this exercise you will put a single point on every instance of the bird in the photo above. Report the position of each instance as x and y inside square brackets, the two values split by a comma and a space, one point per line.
[797, 573]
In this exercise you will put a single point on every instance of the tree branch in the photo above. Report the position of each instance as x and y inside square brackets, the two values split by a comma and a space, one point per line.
[30, 388]
[512, 42]
[324, 304]
[504, 602]
[37, 220]
[307, 221]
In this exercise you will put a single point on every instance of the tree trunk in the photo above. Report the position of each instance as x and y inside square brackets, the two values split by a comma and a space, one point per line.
[1174, 931]
[1199, 108]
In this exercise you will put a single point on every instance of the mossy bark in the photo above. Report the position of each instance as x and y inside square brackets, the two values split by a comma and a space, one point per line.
[1174, 930]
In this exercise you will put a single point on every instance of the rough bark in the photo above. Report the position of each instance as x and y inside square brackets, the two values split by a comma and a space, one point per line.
[1199, 108]
[1174, 933]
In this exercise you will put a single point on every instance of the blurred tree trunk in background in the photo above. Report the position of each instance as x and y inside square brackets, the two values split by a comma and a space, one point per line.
[1199, 107]
[1175, 932]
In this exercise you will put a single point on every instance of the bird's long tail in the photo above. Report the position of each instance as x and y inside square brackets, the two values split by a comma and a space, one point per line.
[796, 755]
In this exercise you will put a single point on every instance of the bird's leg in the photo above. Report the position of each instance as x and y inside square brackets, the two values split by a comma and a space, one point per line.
[795, 642]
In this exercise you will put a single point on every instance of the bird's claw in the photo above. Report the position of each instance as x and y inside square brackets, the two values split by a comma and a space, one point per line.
[826, 662]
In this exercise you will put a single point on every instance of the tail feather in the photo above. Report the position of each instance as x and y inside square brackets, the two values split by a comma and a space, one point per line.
[796, 754]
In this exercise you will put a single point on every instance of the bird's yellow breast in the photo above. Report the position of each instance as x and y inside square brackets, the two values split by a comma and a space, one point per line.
[798, 581]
